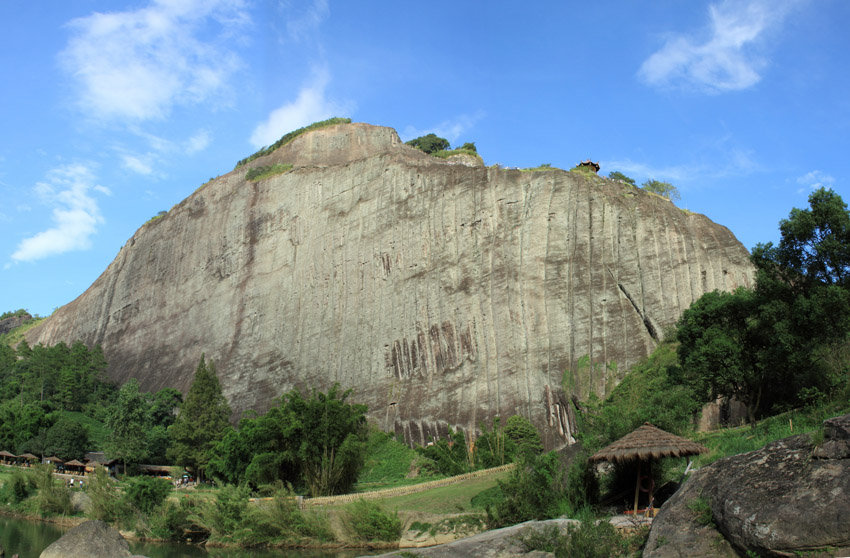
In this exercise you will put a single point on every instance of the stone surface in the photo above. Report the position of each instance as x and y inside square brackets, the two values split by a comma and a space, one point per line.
[80, 502]
[10, 323]
[790, 498]
[92, 539]
[444, 294]
[498, 543]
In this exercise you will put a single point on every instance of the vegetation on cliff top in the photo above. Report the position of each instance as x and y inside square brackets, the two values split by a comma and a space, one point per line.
[439, 147]
[291, 136]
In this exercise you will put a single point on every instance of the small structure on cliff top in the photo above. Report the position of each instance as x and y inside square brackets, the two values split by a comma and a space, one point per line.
[643, 445]
[589, 165]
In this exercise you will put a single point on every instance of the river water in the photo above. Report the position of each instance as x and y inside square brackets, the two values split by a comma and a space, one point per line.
[29, 538]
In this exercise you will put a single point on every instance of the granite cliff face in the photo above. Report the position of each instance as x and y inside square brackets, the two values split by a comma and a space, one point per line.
[443, 292]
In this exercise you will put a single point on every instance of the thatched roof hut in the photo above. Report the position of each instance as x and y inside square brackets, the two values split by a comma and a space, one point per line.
[28, 457]
[6, 457]
[643, 445]
[646, 443]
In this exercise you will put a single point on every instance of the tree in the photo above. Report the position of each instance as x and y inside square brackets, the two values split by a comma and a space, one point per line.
[469, 146]
[67, 439]
[664, 189]
[127, 420]
[616, 175]
[202, 421]
[430, 143]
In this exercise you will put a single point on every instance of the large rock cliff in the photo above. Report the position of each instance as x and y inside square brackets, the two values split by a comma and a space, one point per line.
[443, 292]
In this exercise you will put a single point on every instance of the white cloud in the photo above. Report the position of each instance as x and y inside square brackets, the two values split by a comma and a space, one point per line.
[310, 106]
[449, 129]
[138, 64]
[726, 58]
[644, 171]
[814, 180]
[76, 214]
[304, 20]
[136, 164]
[197, 143]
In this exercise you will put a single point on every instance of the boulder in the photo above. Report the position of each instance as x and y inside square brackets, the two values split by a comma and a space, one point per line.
[92, 539]
[80, 502]
[501, 543]
[789, 498]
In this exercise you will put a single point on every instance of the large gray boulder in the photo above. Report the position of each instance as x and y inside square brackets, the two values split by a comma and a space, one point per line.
[92, 539]
[444, 294]
[790, 498]
[498, 543]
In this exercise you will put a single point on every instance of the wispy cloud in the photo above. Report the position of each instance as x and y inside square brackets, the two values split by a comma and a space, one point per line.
[303, 20]
[647, 171]
[728, 56]
[452, 129]
[198, 142]
[814, 180]
[310, 106]
[76, 214]
[136, 65]
[137, 164]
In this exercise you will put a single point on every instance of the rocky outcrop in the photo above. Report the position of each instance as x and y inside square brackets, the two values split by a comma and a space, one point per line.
[92, 539]
[498, 543]
[10, 323]
[790, 498]
[443, 293]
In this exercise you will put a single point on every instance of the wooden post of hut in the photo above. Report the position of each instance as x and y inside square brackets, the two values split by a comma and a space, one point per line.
[645, 444]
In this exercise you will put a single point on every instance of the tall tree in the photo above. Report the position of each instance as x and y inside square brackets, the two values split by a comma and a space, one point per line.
[617, 175]
[127, 420]
[430, 143]
[202, 421]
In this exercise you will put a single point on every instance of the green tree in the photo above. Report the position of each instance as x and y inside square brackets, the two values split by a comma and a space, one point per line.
[202, 421]
[430, 143]
[67, 439]
[664, 189]
[127, 421]
[616, 175]
[469, 146]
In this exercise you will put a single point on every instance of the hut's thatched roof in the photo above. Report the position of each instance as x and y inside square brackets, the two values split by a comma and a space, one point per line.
[5, 453]
[28, 456]
[647, 442]
[53, 459]
[74, 463]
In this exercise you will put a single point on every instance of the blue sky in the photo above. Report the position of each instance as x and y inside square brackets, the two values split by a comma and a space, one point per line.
[113, 111]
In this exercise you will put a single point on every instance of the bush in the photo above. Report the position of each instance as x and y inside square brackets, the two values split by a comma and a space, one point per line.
[169, 523]
[106, 501]
[279, 521]
[536, 489]
[368, 521]
[258, 173]
[147, 493]
[52, 497]
[430, 143]
[592, 538]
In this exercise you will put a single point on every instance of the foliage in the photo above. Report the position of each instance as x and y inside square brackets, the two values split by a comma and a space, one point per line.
[540, 167]
[259, 173]
[202, 421]
[517, 439]
[447, 457]
[106, 501]
[468, 146]
[67, 439]
[316, 442]
[524, 436]
[387, 460]
[291, 136]
[127, 421]
[536, 489]
[663, 189]
[224, 517]
[17, 488]
[784, 343]
[14, 314]
[616, 175]
[446, 153]
[590, 539]
[702, 510]
[51, 497]
[429, 143]
[367, 521]
[147, 493]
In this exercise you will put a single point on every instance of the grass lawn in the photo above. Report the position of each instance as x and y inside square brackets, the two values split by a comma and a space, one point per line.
[454, 498]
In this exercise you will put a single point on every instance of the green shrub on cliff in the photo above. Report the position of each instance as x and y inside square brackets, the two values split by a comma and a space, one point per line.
[259, 173]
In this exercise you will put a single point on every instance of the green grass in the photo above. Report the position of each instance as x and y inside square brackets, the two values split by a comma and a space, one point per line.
[447, 499]
[446, 153]
[387, 463]
[259, 173]
[291, 136]
[732, 441]
[540, 168]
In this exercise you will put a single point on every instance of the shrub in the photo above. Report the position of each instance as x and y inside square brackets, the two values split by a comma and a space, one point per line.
[589, 539]
[536, 489]
[280, 521]
[147, 493]
[368, 521]
[430, 143]
[259, 173]
[106, 501]
[169, 523]
[52, 497]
